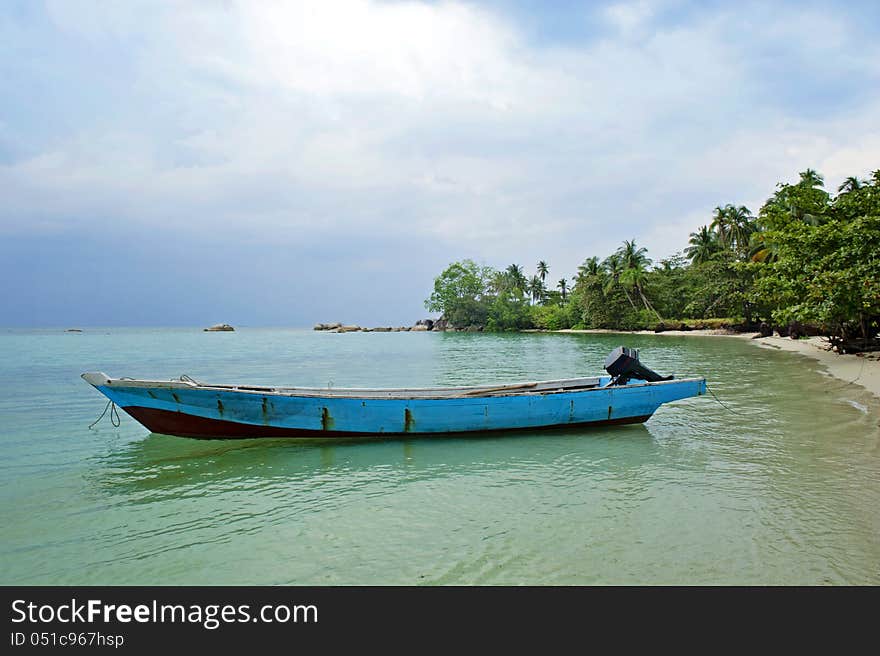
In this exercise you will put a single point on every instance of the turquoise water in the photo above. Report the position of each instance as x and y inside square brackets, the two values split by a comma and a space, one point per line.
[783, 488]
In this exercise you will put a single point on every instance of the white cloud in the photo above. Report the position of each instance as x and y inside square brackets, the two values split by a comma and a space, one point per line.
[629, 16]
[442, 122]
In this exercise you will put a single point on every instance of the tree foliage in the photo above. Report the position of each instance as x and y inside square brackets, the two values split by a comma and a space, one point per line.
[807, 257]
[460, 293]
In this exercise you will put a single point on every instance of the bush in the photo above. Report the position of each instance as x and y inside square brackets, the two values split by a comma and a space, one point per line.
[551, 317]
[508, 314]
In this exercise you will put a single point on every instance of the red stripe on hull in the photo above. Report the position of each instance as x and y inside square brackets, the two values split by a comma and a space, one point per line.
[167, 422]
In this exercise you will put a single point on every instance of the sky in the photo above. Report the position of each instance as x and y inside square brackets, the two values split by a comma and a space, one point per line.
[287, 163]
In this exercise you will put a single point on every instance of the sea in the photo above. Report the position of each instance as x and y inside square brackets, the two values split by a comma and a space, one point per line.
[773, 478]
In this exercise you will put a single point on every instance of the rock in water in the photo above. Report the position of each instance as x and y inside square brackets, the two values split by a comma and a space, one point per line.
[220, 328]
[327, 326]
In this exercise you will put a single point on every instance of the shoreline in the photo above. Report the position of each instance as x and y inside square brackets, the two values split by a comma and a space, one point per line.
[696, 332]
[862, 370]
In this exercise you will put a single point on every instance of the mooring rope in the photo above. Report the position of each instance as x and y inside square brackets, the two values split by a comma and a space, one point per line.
[721, 403]
[114, 415]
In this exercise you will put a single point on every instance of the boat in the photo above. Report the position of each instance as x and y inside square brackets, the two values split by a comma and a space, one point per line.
[631, 393]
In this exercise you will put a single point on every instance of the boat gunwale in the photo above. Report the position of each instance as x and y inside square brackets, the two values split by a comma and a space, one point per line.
[530, 388]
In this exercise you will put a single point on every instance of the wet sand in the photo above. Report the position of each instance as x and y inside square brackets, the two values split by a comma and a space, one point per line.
[861, 370]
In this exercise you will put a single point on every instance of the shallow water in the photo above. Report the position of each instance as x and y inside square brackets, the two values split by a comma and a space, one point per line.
[781, 488]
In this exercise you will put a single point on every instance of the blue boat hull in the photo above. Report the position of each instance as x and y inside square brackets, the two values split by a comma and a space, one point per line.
[211, 412]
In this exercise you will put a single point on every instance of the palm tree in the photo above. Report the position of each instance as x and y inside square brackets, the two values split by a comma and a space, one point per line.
[810, 178]
[536, 289]
[635, 262]
[632, 255]
[636, 277]
[703, 245]
[543, 270]
[590, 267]
[563, 287]
[614, 267]
[733, 225]
[720, 225]
[850, 184]
[516, 277]
[742, 226]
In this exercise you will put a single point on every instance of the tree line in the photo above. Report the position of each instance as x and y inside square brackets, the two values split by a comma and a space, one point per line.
[809, 260]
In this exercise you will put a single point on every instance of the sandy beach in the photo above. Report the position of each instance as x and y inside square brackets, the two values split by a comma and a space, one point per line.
[863, 370]
[693, 333]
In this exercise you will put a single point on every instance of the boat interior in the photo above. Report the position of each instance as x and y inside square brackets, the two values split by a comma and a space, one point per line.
[537, 387]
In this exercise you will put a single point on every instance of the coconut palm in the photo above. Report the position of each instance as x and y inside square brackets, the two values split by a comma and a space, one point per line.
[810, 178]
[563, 287]
[516, 278]
[733, 225]
[703, 245]
[720, 225]
[543, 270]
[590, 267]
[635, 263]
[742, 225]
[614, 269]
[632, 255]
[636, 277]
[536, 289]
[852, 183]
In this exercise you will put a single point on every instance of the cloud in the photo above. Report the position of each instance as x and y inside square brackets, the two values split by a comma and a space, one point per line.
[629, 16]
[447, 125]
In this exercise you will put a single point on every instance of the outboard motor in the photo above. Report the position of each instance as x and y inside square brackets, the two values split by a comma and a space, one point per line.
[623, 363]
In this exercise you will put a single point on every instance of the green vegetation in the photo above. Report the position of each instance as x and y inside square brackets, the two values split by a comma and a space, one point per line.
[809, 260]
